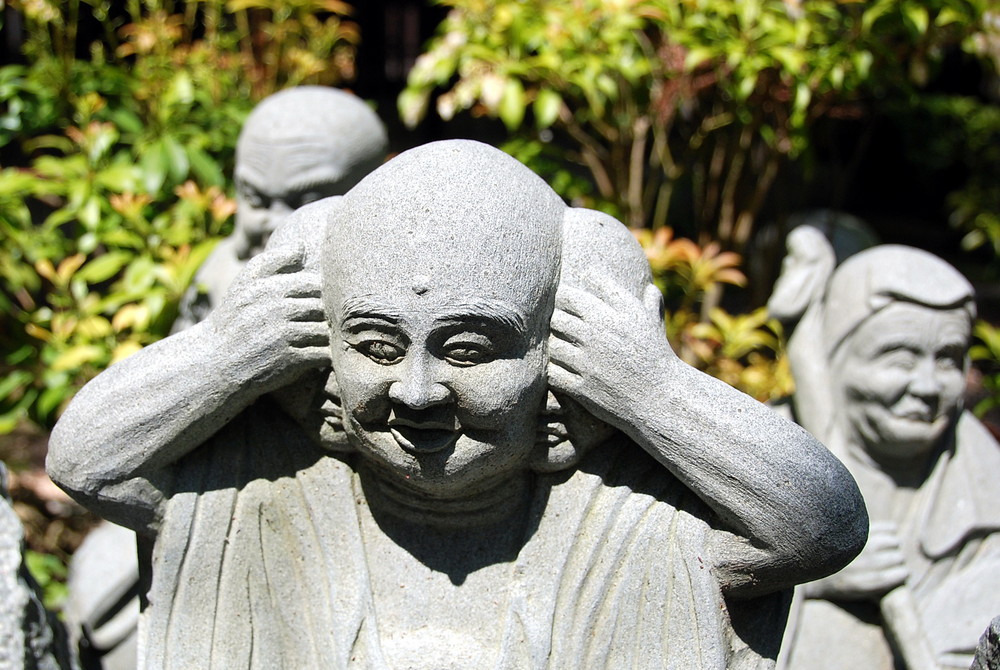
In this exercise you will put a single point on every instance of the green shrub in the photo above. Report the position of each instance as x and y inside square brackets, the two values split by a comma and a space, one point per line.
[124, 190]
[662, 102]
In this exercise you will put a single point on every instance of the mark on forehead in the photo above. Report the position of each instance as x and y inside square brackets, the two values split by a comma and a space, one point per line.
[421, 284]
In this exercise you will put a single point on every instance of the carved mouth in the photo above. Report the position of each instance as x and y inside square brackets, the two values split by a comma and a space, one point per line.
[423, 440]
[551, 433]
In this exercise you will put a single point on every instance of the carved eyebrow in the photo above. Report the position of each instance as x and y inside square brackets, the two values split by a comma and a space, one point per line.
[364, 308]
[499, 314]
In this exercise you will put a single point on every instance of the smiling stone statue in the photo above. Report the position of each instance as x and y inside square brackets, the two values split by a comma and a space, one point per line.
[880, 379]
[451, 434]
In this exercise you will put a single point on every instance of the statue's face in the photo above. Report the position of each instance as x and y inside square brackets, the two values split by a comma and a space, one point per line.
[441, 388]
[276, 177]
[901, 377]
[313, 401]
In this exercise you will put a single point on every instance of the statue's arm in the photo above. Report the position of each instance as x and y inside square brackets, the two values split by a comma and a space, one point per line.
[126, 427]
[790, 510]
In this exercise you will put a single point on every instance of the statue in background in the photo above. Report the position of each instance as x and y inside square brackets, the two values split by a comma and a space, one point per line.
[642, 513]
[880, 375]
[31, 637]
[297, 146]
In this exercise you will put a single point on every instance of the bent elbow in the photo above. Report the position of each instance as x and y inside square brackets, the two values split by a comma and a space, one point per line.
[73, 466]
[838, 528]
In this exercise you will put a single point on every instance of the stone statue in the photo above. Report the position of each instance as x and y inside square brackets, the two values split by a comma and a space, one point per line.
[988, 651]
[884, 343]
[31, 637]
[411, 445]
[297, 146]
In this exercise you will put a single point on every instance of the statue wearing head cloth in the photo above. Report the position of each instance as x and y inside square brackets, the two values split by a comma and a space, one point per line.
[445, 430]
[890, 341]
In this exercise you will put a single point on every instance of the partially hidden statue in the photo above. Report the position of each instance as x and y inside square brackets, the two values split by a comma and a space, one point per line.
[444, 429]
[879, 354]
[297, 146]
[31, 637]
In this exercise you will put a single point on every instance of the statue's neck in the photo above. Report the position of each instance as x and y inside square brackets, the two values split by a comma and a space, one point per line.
[909, 471]
[499, 500]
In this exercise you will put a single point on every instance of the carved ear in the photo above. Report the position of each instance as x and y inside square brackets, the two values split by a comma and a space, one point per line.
[652, 299]
[308, 226]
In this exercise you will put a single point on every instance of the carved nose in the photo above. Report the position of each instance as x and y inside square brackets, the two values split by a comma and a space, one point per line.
[416, 388]
[279, 208]
[925, 382]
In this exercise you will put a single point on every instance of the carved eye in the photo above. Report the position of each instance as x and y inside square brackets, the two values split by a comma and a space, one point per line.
[949, 362]
[467, 349]
[904, 359]
[467, 355]
[252, 196]
[382, 352]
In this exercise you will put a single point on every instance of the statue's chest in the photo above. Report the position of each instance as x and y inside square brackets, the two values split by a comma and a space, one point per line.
[433, 609]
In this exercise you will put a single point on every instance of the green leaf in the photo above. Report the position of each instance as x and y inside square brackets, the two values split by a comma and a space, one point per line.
[177, 163]
[50, 399]
[512, 105]
[204, 167]
[698, 56]
[918, 17]
[14, 381]
[103, 267]
[546, 107]
[120, 178]
[412, 106]
[75, 357]
[155, 163]
[90, 213]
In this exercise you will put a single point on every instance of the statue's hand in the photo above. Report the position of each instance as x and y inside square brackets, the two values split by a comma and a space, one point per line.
[879, 568]
[608, 349]
[271, 325]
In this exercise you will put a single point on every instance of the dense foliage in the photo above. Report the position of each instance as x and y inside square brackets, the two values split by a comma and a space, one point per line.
[664, 103]
[123, 189]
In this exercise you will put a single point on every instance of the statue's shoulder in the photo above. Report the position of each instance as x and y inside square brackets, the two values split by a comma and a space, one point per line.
[972, 434]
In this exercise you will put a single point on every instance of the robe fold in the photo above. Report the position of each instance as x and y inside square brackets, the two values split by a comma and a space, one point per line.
[260, 563]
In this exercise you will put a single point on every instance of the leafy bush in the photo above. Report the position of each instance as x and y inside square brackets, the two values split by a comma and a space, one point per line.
[666, 103]
[745, 350]
[123, 190]
[987, 353]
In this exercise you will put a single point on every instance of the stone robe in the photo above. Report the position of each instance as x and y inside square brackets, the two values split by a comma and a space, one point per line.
[950, 534]
[615, 573]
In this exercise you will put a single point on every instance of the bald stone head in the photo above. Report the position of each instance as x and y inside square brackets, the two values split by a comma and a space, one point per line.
[439, 274]
[457, 217]
[298, 146]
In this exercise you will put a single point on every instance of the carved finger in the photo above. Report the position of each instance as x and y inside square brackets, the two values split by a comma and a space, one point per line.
[578, 302]
[309, 334]
[282, 260]
[894, 577]
[884, 527]
[567, 327]
[317, 356]
[608, 290]
[306, 309]
[565, 354]
[563, 379]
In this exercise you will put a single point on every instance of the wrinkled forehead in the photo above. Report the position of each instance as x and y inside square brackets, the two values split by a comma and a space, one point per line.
[457, 219]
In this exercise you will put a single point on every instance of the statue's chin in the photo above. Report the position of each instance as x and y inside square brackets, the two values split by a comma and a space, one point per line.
[901, 438]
